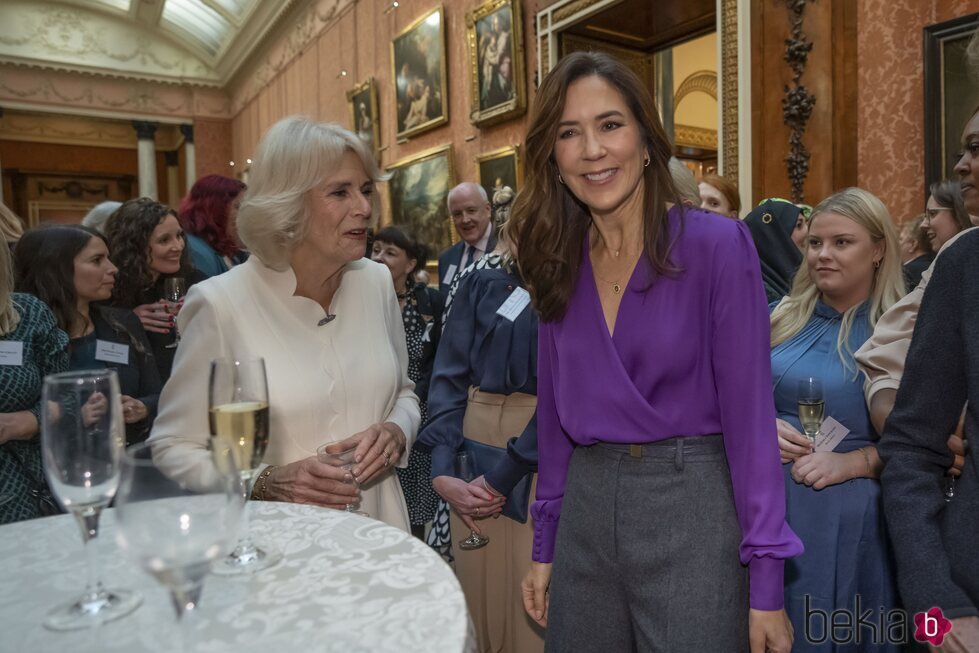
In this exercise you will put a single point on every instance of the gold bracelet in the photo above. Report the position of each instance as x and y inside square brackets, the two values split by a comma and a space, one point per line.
[866, 456]
[261, 484]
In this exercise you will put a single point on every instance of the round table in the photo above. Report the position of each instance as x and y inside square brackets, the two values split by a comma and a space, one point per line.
[346, 583]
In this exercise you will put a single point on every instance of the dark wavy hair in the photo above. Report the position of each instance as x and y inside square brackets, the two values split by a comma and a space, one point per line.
[128, 231]
[548, 222]
[400, 238]
[204, 211]
[44, 266]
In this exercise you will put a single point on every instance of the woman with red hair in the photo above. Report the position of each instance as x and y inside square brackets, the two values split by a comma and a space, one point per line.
[207, 215]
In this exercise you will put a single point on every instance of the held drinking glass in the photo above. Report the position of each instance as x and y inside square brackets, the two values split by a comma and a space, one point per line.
[82, 437]
[337, 455]
[238, 416]
[464, 470]
[811, 406]
[174, 530]
[174, 289]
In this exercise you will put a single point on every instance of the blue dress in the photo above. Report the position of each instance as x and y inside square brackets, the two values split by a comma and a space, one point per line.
[842, 526]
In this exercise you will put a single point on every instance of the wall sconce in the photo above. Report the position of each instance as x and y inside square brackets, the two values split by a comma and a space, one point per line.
[342, 73]
[394, 5]
[231, 163]
[248, 161]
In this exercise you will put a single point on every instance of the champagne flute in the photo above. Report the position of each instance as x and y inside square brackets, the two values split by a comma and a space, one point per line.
[464, 470]
[335, 454]
[174, 289]
[812, 407]
[173, 529]
[238, 402]
[82, 436]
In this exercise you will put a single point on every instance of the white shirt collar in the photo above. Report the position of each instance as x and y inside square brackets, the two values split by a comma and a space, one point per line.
[481, 244]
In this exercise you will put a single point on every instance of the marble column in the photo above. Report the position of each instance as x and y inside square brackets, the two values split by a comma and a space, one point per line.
[173, 178]
[189, 159]
[146, 152]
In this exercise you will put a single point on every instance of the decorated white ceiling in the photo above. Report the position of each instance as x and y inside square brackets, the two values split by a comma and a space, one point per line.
[184, 41]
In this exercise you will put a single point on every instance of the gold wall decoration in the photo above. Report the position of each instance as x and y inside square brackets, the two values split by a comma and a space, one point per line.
[702, 81]
[728, 21]
[689, 136]
[496, 62]
[364, 117]
[419, 74]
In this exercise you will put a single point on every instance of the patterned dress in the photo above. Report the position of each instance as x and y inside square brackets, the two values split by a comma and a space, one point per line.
[422, 329]
[44, 352]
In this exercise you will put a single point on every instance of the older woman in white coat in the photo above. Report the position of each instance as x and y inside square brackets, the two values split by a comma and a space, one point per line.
[325, 319]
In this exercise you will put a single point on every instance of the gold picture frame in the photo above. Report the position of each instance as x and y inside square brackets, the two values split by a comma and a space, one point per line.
[364, 118]
[497, 88]
[421, 101]
[504, 165]
[418, 190]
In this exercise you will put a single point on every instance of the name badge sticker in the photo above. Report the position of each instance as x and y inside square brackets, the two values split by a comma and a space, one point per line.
[111, 352]
[450, 273]
[831, 433]
[518, 300]
[12, 353]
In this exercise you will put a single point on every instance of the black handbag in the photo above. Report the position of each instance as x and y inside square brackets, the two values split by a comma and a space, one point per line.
[37, 487]
[486, 457]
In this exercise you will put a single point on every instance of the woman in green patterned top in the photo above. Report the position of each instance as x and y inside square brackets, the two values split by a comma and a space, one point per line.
[31, 347]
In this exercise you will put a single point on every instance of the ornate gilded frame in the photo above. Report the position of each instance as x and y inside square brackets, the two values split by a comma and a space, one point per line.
[501, 153]
[443, 74]
[518, 104]
[368, 86]
[400, 166]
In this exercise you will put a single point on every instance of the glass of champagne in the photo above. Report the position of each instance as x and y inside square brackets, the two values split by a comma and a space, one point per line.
[464, 470]
[174, 289]
[175, 530]
[238, 403]
[812, 407]
[82, 437]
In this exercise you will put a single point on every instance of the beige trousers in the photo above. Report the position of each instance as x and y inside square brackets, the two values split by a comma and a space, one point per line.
[490, 576]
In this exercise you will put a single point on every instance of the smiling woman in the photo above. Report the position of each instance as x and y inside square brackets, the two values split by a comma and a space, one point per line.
[148, 245]
[325, 320]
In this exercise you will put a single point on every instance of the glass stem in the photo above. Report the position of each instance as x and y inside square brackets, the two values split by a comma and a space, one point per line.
[88, 520]
[185, 599]
[245, 544]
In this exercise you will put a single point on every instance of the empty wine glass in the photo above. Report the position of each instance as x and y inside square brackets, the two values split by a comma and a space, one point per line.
[338, 455]
[174, 289]
[238, 403]
[82, 436]
[811, 406]
[173, 529]
[464, 470]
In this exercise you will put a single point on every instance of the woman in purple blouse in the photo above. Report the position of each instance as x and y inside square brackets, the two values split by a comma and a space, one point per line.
[658, 454]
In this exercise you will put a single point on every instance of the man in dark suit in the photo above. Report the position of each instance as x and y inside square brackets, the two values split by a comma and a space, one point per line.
[472, 215]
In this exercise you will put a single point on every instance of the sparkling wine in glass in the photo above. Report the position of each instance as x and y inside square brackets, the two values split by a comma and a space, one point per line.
[812, 407]
[174, 289]
[238, 403]
[82, 437]
[464, 470]
[175, 530]
[338, 455]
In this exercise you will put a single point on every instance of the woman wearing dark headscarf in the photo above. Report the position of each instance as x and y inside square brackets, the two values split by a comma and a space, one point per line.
[778, 228]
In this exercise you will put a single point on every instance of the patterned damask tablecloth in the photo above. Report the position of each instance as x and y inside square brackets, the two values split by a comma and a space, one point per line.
[346, 584]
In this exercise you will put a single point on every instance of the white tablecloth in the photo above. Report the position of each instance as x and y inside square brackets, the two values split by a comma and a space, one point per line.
[346, 584]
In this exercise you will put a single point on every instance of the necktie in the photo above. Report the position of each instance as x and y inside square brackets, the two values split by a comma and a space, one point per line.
[470, 256]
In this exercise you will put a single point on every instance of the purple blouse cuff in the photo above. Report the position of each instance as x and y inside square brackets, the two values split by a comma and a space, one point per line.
[766, 582]
[544, 536]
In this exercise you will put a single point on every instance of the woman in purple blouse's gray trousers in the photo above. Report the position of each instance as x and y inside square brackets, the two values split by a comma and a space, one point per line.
[658, 452]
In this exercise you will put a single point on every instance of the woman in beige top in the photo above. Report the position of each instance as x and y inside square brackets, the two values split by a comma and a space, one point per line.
[325, 320]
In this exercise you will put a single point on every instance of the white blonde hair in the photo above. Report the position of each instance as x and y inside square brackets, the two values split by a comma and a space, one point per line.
[796, 308]
[9, 317]
[294, 157]
[685, 182]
